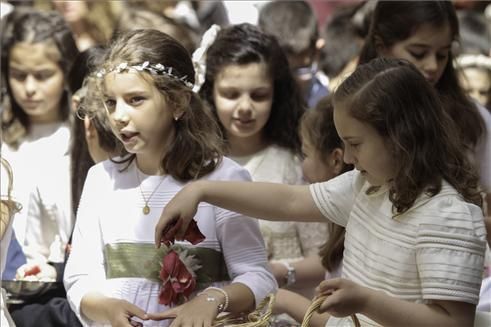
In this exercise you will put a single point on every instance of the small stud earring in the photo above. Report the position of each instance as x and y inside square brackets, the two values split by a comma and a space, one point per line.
[176, 118]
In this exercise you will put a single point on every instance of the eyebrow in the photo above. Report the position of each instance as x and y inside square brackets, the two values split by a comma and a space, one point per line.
[424, 45]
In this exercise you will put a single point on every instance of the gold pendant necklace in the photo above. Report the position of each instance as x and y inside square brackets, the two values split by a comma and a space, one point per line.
[146, 208]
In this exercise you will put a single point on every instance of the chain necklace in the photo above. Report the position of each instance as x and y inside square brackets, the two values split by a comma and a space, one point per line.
[146, 208]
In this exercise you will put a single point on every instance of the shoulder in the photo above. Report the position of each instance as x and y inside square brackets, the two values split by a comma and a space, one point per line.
[448, 210]
[229, 170]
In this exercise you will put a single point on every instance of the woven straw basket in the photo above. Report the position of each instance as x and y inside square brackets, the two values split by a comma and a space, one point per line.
[261, 317]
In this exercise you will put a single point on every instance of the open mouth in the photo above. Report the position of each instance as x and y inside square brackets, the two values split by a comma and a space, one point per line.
[128, 136]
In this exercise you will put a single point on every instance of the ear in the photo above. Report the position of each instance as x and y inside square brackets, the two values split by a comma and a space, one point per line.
[319, 44]
[90, 131]
[75, 102]
[183, 103]
[336, 158]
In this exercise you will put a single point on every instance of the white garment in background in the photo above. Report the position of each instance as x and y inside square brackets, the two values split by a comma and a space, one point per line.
[433, 251]
[243, 11]
[110, 212]
[483, 151]
[43, 154]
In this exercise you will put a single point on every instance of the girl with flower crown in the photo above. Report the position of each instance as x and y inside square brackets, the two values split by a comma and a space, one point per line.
[114, 275]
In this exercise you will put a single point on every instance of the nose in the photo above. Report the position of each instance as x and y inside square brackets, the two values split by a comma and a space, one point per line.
[120, 114]
[30, 85]
[431, 64]
[348, 157]
[245, 105]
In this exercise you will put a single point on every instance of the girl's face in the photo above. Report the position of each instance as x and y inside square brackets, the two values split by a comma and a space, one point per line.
[477, 83]
[139, 114]
[243, 97]
[72, 11]
[364, 148]
[36, 80]
[427, 48]
[315, 169]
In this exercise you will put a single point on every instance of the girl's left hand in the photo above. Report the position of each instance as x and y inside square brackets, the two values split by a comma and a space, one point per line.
[344, 297]
[196, 312]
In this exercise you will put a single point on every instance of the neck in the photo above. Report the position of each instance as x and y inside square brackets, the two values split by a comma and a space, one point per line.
[245, 146]
[149, 166]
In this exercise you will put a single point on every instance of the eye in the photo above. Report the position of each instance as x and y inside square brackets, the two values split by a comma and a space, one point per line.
[110, 104]
[260, 96]
[442, 56]
[136, 100]
[417, 55]
[43, 75]
[18, 75]
[354, 146]
[229, 94]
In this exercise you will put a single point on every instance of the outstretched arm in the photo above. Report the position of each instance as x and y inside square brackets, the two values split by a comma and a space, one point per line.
[269, 201]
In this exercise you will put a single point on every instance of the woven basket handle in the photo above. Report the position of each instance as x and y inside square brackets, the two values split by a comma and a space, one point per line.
[316, 303]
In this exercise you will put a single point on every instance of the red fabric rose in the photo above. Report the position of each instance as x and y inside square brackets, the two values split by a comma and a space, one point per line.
[177, 281]
[192, 235]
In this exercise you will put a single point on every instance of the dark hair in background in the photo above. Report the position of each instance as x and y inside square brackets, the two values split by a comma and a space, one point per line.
[245, 44]
[475, 32]
[33, 26]
[317, 128]
[395, 21]
[197, 147]
[343, 35]
[405, 110]
[293, 23]
[80, 159]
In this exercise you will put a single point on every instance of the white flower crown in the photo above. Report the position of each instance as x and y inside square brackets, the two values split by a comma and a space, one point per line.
[474, 60]
[157, 69]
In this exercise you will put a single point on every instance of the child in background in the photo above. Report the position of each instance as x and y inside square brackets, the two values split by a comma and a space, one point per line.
[322, 160]
[411, 207]
[422, 32]
[294, 25]
[114, 275]
[256, 101]
[38, 52]
[474, 71]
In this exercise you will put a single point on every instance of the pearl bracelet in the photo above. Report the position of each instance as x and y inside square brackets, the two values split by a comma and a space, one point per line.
[222, 306]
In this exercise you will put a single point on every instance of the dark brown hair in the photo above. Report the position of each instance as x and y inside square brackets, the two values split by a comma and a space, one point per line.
[397, 101]
[245, 44]
[395, 21]
[197, 147]
[317, 127]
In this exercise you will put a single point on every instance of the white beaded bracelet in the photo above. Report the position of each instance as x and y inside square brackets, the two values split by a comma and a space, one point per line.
[221, 307]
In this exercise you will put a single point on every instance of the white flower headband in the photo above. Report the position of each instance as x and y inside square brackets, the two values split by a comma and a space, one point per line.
[474, 60]
[157, 69]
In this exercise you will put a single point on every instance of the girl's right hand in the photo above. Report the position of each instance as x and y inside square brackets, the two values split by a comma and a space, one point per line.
[178, 213]
[121, 313]
[36, 272]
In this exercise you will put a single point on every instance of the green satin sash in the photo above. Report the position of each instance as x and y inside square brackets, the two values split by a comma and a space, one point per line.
[127, 260]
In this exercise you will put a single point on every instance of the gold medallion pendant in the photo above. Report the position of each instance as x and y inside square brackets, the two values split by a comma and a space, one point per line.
[146, 210]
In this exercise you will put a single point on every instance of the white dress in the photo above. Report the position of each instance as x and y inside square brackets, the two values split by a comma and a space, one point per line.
[433, 251]
[42, 155]
[110, 216]
[285, 240]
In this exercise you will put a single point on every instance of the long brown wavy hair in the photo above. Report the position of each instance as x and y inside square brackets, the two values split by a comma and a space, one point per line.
[197, 147]
[397, 101]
